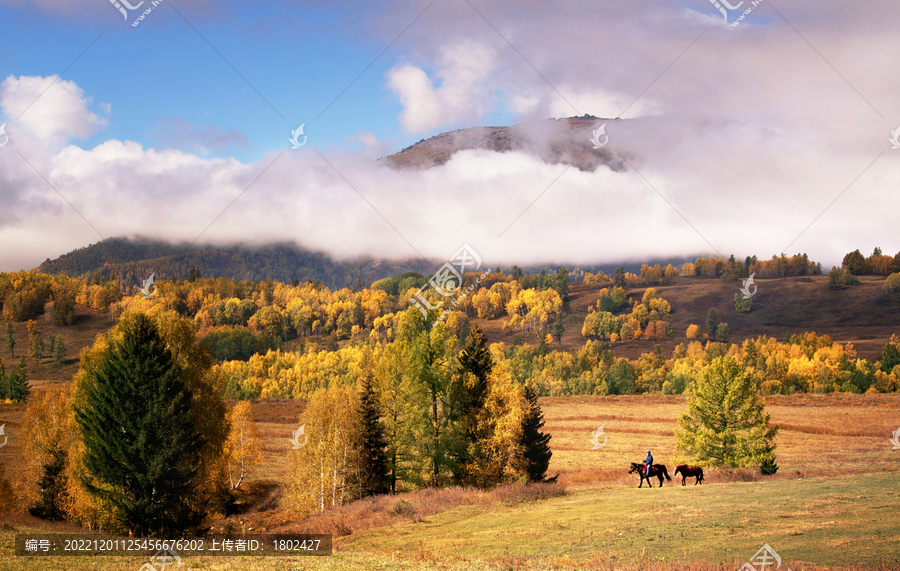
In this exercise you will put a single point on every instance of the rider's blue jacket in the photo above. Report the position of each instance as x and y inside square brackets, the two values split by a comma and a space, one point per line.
[649, 460]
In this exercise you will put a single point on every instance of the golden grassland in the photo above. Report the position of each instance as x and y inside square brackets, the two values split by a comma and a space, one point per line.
[834, 503]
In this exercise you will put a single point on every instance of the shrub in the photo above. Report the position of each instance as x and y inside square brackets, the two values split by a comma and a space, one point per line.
[742, 304]
[693, 332]
[892, 283]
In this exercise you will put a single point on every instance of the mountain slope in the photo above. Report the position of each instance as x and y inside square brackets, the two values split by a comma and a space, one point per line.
[134, 260]
[555, 141]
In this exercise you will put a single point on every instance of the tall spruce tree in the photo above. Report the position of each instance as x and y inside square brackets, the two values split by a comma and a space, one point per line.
[18, 386]
[4, 382]
[536, 451]
[558, 329]
[373, 456]
[141, 446]
[726, 423]
[475, 359]
[10, 339]
[53, 484]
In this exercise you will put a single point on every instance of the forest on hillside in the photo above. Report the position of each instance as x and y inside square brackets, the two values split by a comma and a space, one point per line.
[272, 339]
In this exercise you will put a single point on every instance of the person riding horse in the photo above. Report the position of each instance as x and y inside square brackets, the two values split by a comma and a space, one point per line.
[649, 462]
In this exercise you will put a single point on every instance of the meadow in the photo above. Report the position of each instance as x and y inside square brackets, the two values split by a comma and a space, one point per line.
[832, 504]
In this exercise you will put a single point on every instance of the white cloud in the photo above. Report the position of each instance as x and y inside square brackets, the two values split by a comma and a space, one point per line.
[61, 114]
[463, 69]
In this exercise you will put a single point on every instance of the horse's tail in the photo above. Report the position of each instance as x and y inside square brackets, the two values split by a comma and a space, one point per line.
[665, 472]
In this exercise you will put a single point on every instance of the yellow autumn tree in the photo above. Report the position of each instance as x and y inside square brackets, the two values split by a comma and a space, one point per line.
[46, 442]
[242, 449]
[323, 471]
[497, 454]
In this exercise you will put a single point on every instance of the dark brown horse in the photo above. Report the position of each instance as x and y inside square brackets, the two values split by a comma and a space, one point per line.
[688, 472]
[657, 470]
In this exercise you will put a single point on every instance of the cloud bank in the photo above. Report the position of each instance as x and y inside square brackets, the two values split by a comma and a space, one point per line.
[737, 144]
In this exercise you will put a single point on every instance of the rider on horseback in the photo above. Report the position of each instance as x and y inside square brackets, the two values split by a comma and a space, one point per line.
[649, 462]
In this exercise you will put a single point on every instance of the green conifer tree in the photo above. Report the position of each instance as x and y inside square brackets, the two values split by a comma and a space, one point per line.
[19, 388]
[141, 447]
[52, 486]
[59, 352]
[712, 322]
[475, 359]
[726, 423]
[373, 458]
[10, 340]
[535, 444]
[4, 383]
[558, 329]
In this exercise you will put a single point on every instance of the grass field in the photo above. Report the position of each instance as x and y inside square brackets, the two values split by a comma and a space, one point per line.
[834, 502]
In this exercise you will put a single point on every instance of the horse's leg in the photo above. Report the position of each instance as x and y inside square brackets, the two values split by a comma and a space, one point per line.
[683, 478]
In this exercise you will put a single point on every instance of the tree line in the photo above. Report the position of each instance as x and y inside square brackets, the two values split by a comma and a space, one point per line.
[142, 442]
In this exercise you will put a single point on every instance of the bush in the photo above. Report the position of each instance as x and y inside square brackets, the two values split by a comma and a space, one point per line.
[742, 304]
[892, 283]
[839, 279]
[768, 467]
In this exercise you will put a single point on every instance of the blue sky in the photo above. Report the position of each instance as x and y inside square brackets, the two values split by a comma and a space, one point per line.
[298, 58]
[759, 138]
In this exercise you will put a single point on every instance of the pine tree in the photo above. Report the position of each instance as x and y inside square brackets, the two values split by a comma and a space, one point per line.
[558, 329]
[712, 322]
[19, 388]
[59, 352]
[726, 423]
[619, 277]
[10, 340]
[562, 283]
[142, 451]
[35, 342]
[4, 383]
[373, 459]
[535, 444]
[475, 359]
[53, 484]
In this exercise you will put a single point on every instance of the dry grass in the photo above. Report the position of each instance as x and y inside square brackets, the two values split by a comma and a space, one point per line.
[386, 510]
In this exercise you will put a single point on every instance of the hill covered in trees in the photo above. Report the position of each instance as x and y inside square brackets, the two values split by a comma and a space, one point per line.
[132, 261]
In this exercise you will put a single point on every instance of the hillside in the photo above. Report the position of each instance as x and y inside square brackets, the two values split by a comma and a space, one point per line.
[863, 315]
[554, 141]
[134, 260]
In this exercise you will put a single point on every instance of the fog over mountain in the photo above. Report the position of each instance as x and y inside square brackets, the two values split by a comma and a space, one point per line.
[743, 140]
